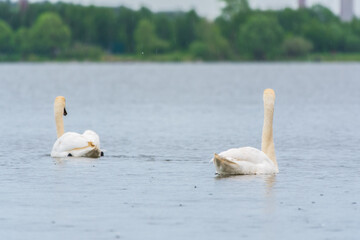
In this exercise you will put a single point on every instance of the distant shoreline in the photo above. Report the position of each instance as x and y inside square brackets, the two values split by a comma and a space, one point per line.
[43, 32]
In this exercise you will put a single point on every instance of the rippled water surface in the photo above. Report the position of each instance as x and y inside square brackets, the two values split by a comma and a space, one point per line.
[159, 125]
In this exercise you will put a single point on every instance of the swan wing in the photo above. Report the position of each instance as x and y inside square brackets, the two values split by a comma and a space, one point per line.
[91, 136]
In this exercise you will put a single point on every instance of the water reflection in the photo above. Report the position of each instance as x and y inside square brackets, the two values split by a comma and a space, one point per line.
[64, 161]
[269, 206]
[268, 181]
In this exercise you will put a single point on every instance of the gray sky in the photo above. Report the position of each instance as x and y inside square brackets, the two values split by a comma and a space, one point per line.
[208, 8]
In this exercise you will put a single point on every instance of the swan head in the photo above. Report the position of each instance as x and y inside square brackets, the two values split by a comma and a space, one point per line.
[60, 103]
[269, 95]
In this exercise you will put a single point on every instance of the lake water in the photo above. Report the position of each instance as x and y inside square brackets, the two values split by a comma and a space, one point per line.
[159, 125]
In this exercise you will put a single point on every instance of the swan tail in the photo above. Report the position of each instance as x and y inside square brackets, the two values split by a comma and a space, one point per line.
[224, 166]
[90, 151]
[93, 153]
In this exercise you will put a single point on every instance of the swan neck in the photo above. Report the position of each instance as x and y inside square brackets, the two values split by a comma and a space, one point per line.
[59, 111]
[267, 144]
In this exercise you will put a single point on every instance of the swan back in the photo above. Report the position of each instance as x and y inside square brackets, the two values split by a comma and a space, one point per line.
[246, 160]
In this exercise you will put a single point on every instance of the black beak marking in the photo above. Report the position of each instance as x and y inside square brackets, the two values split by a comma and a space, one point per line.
[65, 113]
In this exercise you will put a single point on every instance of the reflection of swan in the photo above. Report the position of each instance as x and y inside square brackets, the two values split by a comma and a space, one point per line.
[250, 160]
[73, 144]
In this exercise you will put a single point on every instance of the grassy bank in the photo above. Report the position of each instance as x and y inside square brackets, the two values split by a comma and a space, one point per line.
[171, 57]
[334, 57]
[179, 57]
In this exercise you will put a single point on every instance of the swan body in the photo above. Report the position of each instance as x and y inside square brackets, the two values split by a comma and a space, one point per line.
[71, 143]
[77, 145]
[244, 161]
[248, 160]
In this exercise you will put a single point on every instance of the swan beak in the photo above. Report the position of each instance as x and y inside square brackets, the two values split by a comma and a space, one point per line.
[65, 113]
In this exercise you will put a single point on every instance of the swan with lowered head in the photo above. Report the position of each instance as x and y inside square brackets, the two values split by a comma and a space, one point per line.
[248, 160]
[72, 144]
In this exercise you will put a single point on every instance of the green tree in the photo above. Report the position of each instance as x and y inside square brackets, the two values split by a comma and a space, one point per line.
[352, 43]
[211, 45]
[260, 37]
[103, 24]
[49, 35]
[127, 20]
[185, 29]
[165, 29]
[329, 37]
[234, 14]
[147, 42]
[292, 21]
[297, 46]
[323, 14]
[234, 7]
[6, 37]
[22, 41]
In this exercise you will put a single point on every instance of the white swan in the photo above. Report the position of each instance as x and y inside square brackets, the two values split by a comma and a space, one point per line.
[73, 144]
[248, 160]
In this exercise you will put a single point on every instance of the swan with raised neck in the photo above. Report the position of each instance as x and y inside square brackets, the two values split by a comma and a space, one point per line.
[267, 140]
[73, 144]
[248, 160]
[59, 112]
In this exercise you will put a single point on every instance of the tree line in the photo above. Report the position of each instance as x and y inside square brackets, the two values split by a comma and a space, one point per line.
[64, 30]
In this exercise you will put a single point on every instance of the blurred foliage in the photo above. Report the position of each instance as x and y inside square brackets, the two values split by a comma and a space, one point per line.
[147, 42]
[233, 8]
[261, 37]
[296, 46]
[69, 31]
[211, 44]
[22, 41]
[82, 52]
[6, 35]
[49, 35]
[352, 43]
